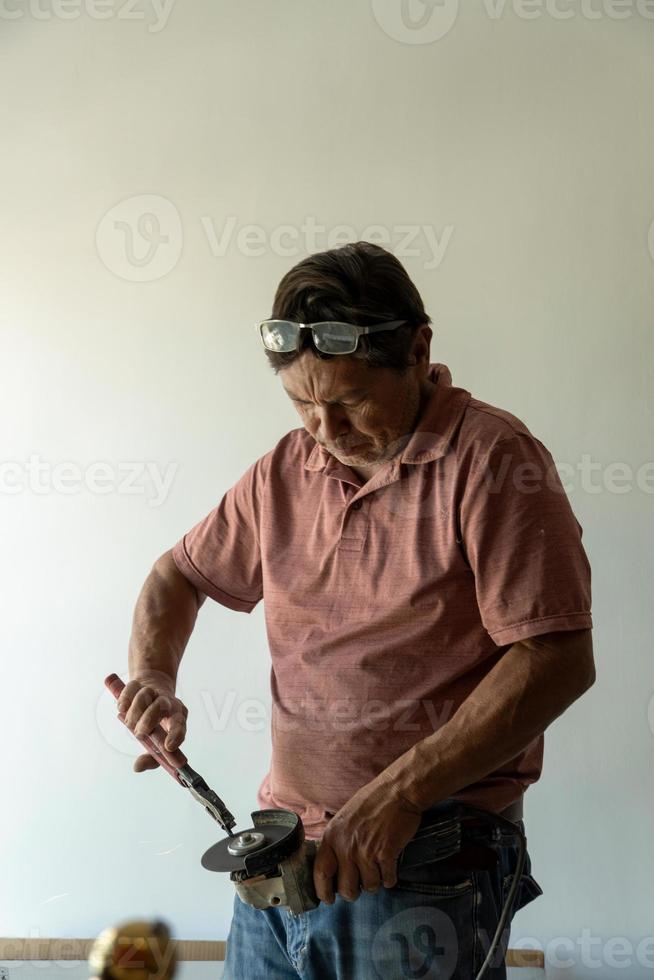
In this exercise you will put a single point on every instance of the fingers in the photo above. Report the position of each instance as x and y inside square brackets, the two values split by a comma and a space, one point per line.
[144, 762]
[371, 878]
[153, 713]
[133, 701]
[176, 732]
[363, 875]
[350, 877]
[143, 707]
[171, 714]
[140, 702]
[127, 696]
[348, 880]
[388, 869]
[324, 869]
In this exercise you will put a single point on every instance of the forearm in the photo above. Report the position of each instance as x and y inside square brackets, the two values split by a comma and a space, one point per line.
[530, 686]
[164, 618]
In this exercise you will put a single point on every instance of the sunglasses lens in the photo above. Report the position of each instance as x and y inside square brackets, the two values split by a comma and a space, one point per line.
[279, 335]
[335, 338]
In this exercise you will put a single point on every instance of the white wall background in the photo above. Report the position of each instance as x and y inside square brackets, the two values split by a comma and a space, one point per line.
[523, 142]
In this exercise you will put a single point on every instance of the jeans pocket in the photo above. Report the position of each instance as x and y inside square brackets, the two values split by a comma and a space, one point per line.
[528, 889]
[430, 879]
[436, 890]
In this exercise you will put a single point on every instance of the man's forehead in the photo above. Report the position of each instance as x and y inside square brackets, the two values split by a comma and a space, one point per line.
[339, 379]
[345, 392]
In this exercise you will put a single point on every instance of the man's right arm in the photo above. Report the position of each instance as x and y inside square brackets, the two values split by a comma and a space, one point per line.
[164, 618]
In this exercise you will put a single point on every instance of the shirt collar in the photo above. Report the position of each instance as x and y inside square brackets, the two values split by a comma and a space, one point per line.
[435, 428]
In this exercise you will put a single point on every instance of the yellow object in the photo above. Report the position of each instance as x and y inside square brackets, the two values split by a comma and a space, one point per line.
[133, 951]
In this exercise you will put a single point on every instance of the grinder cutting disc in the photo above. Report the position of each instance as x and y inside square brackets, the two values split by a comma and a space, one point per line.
[282, 833]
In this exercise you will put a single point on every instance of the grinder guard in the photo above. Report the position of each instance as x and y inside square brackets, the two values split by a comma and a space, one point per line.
[279, 872]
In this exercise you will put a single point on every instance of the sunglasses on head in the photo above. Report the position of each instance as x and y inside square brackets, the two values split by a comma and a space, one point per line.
[330, 337]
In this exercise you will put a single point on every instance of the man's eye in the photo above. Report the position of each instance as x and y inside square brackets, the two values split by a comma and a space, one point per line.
[300, 404]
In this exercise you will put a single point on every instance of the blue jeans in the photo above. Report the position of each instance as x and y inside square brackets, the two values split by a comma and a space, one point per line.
[437, 926]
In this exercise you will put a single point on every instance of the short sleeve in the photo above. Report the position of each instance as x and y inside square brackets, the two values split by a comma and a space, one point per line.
[523, 543]
[221, 556]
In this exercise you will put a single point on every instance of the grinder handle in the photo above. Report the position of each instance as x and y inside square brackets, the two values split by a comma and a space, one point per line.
[154, 742]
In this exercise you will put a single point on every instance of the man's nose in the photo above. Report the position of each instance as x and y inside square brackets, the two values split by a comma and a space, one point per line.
[332, 424]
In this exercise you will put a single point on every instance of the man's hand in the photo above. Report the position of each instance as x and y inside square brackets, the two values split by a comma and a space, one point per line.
[360, 846]
[147, 702]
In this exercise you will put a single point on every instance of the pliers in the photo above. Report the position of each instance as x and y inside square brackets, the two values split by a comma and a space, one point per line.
[176, 764]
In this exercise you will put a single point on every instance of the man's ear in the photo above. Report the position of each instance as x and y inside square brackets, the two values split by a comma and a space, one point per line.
[421, 345]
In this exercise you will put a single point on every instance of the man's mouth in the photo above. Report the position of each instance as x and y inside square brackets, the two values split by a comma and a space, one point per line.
[352, 451]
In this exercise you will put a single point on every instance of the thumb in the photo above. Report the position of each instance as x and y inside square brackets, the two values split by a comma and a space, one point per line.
[144, 762]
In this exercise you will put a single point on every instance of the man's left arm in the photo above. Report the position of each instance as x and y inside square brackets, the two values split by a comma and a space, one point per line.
[527, 689]
[535, 681]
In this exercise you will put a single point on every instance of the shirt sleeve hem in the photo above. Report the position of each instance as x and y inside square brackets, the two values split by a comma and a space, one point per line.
[195, 576]
[536, 627]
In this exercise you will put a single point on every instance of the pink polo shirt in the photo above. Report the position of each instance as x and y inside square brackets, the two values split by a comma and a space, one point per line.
[387, 601]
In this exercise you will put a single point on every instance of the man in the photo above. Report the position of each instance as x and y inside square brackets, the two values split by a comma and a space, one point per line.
[427, 602]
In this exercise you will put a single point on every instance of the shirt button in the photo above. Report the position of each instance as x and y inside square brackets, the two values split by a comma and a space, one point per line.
[356, 505]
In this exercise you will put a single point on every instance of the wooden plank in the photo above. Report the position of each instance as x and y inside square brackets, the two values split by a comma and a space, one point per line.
[187, 950]
[79, 949]
[533, 958]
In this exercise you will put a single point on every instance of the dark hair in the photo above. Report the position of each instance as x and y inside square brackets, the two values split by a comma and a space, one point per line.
[359, 283]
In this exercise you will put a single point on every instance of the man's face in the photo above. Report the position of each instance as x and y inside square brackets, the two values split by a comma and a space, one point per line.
[362, 415]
